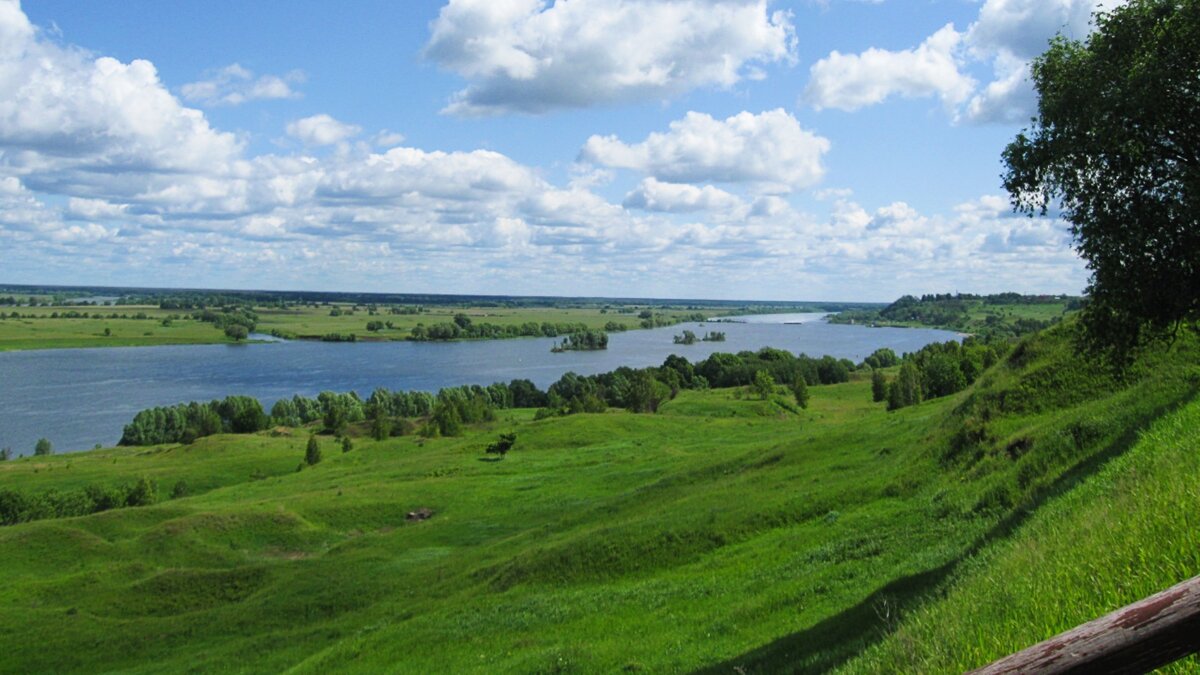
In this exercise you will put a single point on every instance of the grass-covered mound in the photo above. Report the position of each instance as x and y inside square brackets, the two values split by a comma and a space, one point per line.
[724, 531]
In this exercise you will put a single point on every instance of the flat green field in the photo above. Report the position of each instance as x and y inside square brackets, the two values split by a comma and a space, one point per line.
[316, 321]
[722, 533]
[36, 329]
[44, 332]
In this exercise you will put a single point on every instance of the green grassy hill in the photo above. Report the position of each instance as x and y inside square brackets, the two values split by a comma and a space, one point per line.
[1127, 533]
[722, 532]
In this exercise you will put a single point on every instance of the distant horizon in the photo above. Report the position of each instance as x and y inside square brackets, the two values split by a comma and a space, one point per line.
[498, 296]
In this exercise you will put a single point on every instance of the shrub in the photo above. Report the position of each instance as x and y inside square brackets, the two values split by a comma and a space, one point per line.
[763, 385]
[502, 446]
[312, 453]
[800, 391]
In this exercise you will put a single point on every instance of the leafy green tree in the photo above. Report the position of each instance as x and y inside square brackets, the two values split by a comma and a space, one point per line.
[800, 391]
[43, 448]
[237, 332]
[895, 400]
[347, 444]
[337, 417]
[943, 376]
[883, 357]
[763, 385]
[242, 414]
[5, 454]
[1114, 145]
[312, 453]
[446, 419]
[525, 394]
[833, 371]
[285, 413]
[645, 392]
[878, 385]
[906, 389]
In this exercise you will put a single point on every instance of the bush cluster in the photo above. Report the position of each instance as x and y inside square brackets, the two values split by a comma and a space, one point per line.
[17, 507]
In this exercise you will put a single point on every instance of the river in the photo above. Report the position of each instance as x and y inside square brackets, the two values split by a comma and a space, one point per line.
[77, 398]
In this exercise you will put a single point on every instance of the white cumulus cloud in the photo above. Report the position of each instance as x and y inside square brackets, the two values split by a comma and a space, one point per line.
[770, 149]
[1006, 36]
[1009, 34]
[654, 195]
[852, 81]
[531, 56]
[321, 130]
[61, 108]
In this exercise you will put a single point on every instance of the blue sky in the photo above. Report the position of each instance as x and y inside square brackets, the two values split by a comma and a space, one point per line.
[843, 149]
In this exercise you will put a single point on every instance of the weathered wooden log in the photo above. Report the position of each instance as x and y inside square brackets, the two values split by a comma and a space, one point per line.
[1137, 638]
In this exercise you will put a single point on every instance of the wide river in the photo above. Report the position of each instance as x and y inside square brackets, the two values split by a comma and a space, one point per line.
[80, 397]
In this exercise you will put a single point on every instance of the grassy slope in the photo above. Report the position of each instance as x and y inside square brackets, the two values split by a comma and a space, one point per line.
[719, 533]
[1130, 532]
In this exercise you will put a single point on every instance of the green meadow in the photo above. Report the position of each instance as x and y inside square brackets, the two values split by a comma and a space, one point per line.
[723, 534]
[37, 329]
[46, 328]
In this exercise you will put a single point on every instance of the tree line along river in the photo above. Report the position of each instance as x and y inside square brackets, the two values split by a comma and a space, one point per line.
[80, 397]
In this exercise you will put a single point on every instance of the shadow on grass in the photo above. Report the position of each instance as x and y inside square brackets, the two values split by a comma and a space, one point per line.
[490, 459]
[835, 640]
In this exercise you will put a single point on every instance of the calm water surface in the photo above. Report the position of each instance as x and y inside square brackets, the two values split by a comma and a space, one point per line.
[80, 397]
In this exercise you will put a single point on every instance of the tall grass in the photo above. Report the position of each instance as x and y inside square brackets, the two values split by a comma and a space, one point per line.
[1130, 531]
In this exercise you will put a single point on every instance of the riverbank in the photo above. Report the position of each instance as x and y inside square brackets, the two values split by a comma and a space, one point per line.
[80, 397]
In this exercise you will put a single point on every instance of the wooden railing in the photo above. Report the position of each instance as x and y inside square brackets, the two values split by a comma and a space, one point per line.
[1137, 638]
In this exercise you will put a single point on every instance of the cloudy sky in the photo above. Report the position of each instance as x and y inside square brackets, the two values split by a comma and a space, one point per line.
[786, 149]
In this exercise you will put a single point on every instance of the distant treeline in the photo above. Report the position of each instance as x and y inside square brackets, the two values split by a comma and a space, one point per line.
[75, 314]
[204, 298]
